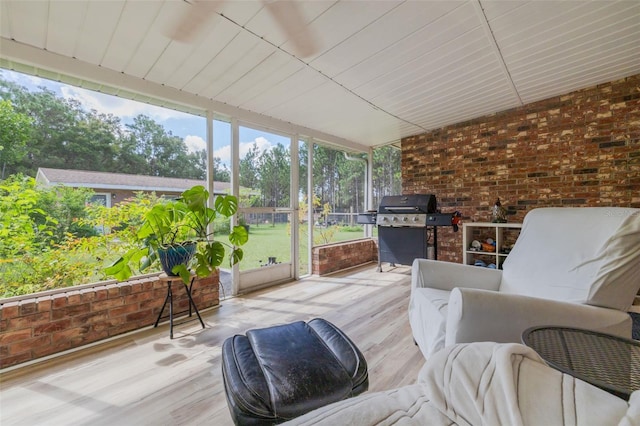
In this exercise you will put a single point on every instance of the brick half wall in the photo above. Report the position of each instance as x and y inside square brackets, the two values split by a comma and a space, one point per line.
[334, 257]
[44, 325]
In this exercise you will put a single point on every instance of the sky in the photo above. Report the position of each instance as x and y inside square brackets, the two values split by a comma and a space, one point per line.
[192, 129]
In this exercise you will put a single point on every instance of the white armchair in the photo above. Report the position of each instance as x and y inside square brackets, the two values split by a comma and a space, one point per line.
[576, 267]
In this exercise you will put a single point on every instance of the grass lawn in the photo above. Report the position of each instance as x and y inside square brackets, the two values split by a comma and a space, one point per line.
[275, 241]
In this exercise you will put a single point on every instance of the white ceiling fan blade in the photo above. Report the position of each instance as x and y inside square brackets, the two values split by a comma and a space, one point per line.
[195, 19]
[288, 16]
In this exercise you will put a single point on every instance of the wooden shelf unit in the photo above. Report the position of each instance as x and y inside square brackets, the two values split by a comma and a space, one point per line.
[504, 234]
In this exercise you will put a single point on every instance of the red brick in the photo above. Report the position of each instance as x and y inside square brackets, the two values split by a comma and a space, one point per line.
[29, 344]
[9, 310]
[123, 310]
[151, 303]
[59, 300]
[102, 294]
[107, 304]
[15, 336]
[71, 310]
[141, 316]
[8, 361]
[74, 298]
[51, 327]
[29, 321]
[69, 333]
[136, 298]
[88, 295]
[113, 291]
[28, 307]
[44, 304]
[90, 318]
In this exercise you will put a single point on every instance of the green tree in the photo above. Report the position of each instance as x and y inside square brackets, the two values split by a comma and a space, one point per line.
[249, 165]
[68, 207]
[54, 129]
[15, 129]
[387, 179]
[274, 166]
[151, 150]
[326, 176]
[220, 171]
[351, 182]
[24, 227]
[63, 134]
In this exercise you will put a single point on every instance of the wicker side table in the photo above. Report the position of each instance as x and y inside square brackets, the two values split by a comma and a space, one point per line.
[608, 362]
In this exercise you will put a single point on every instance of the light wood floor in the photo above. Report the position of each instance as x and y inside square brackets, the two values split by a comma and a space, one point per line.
[147, 379]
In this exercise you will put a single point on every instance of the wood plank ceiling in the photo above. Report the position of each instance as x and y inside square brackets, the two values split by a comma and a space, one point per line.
[379, 70]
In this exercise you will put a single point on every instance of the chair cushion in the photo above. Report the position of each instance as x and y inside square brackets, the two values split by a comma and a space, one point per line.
[577, 255]
[278, 373]
[428, 318]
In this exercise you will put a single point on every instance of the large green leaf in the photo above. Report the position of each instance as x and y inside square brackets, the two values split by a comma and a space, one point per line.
[183, 272]
[215, 253]
[196, 198]
[239, 235]
[236, 256]
[226, 205]
[120, 270]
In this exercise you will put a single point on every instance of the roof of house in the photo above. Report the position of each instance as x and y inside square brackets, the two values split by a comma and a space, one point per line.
[122, 181]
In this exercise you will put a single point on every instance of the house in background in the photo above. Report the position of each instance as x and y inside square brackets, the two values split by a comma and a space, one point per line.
[113, 188]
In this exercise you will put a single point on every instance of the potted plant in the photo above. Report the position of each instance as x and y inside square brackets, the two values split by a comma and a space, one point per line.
[178, 234]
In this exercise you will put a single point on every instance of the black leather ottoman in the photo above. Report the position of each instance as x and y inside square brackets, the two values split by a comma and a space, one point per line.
[275, 374]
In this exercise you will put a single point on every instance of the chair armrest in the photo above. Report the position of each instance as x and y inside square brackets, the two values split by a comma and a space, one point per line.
[448, 275]
[478, 315]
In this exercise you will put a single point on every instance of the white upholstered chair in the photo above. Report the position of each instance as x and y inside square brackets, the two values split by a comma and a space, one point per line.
[577, 267]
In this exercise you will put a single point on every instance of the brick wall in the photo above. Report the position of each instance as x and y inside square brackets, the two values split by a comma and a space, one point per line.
[580, 149]
[43, 325]
[334, 257]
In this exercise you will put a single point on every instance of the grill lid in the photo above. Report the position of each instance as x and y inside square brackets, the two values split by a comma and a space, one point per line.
[415, 203]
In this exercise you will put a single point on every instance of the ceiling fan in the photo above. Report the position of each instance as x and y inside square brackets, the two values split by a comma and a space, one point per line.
[286, 13]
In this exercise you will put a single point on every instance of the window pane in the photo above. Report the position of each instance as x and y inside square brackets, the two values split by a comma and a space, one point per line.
[339, 188]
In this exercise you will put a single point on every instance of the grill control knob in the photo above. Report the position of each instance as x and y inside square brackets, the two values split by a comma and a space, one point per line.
[395, 219]
[415, 219]
[405, 219]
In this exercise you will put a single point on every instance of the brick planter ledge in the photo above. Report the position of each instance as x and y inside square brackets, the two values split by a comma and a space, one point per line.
[336, 256]
[46, 323]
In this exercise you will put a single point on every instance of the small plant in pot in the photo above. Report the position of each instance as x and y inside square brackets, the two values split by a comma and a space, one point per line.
[177, 234]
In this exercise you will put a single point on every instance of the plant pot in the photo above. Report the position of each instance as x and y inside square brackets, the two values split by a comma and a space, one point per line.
[175, 255]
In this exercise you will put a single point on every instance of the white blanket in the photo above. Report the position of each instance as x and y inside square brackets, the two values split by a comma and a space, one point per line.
[484, 384]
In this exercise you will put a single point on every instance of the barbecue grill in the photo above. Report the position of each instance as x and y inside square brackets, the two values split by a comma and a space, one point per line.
[407, 227]
[403, 234]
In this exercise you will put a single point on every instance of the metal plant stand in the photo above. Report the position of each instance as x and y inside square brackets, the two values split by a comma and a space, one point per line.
[169, 298]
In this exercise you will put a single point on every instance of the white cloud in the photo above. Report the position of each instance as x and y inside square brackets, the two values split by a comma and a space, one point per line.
[20, 78]
[119, 107]
[194, 143]
[224, 153]
[262, 142]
